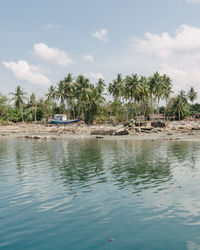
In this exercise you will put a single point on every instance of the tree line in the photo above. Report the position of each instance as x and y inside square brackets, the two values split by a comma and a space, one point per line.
[122, 99]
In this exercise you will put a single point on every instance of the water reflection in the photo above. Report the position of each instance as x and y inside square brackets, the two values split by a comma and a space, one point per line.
[141, 164]
[130, 188]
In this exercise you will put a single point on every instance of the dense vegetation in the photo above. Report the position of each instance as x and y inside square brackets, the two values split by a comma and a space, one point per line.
[121, 100]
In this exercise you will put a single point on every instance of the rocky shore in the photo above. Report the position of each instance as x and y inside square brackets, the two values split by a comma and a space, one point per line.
[184, 130]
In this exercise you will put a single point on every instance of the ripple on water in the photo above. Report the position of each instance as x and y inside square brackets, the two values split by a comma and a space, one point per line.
[52, 198]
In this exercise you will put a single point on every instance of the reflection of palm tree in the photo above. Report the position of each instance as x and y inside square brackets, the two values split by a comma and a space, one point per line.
[19, 100]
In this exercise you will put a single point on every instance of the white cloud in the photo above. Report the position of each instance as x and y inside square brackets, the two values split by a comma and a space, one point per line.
[89, 58]
[56, 55]
[178, 55]
[30, 73]
[186, 38]
[94, 75]
[101, 35]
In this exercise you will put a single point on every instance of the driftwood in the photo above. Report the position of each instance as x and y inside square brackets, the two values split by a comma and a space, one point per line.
[110, 132]
[195, 128]
[103, 132]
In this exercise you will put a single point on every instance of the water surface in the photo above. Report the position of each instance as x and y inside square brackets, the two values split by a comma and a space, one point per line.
[145, 195]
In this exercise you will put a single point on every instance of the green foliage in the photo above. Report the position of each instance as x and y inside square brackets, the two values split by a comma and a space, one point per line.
[3, 105]
[122, 100]
[195, 108]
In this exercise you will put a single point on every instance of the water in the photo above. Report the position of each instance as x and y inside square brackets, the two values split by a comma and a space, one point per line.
[145, 195]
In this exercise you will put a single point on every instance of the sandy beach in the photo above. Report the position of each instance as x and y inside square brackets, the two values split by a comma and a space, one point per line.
[183, 130]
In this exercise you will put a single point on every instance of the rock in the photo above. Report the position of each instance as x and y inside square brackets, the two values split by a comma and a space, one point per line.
[139, 124]
[36, 137]
[169, 133]
[174, 186]
[158, 124]
[138, 130]
[121, 132]
[99, 137]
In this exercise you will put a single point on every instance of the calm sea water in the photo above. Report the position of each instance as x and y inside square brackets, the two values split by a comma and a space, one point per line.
[145, 194]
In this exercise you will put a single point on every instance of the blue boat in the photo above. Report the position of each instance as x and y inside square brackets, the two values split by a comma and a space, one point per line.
[62, 119]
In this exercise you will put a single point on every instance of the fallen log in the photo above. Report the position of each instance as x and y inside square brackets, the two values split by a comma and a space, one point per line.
[103, 132]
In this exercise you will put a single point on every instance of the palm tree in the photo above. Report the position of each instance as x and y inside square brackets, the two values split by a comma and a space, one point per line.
[167, 89]
[131, 83]
[156, 87]
[69, 90]
[143, 93]
[180, 105]
[33, 105]
[82, 92]
[51, 94]
[192, 95]
[19, 100]
[60, 92]
[116, 88]
[100, 86]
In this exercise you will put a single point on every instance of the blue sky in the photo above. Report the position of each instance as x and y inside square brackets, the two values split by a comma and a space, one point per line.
[42, 41]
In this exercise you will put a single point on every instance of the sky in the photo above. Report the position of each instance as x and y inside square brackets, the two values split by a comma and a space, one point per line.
[42, 41]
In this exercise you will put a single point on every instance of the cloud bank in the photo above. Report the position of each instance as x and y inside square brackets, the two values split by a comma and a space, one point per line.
[30, 73]
[178, 55]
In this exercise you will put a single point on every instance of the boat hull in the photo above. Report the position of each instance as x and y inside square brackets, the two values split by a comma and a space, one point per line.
[63, 122]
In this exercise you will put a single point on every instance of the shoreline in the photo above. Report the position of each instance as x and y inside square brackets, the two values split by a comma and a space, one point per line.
[174, 131]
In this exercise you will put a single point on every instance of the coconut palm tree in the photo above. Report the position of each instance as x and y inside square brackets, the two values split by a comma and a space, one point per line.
[131, 83]
[156, 87]
[60, 92]
[192, 95]
[51, 94]
[82, 92]
[19, 97]
[180, 105]
[143, 93]
[167, 89]
[116, 88]
[33, 105]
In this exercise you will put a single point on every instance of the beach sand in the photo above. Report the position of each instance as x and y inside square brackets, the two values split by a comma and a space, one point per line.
[184, 131]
